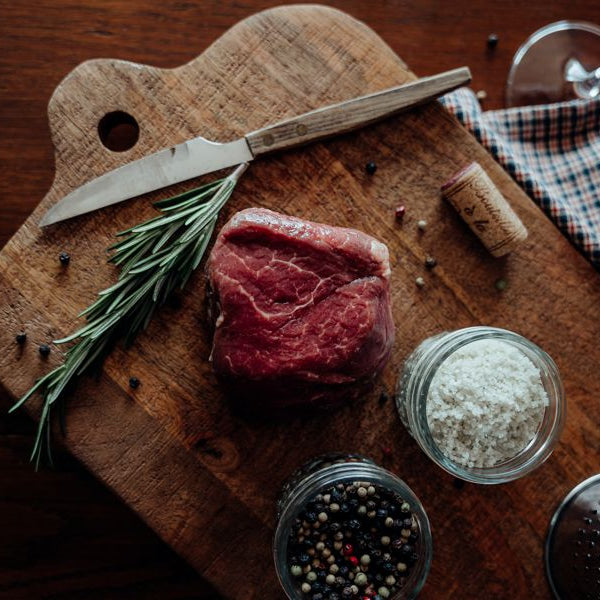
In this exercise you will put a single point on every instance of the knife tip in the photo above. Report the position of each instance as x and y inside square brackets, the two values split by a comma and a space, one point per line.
[46, 220]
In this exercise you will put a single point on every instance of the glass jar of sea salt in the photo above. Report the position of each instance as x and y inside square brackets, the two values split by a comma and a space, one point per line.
[485, 404]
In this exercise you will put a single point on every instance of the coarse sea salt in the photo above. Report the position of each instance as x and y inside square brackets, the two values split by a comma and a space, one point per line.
[485, 403]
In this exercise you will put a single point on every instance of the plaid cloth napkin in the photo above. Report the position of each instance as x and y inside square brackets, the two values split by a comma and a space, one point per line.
[553, 153]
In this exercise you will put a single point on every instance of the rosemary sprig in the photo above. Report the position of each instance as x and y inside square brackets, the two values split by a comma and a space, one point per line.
[155, 257]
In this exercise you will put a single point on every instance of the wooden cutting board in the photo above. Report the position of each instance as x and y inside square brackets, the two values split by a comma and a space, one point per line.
[205, 478]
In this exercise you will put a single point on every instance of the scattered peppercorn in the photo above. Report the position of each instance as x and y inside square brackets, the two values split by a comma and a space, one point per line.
[481, 95]
[492, 41]
[370, 168]
[422, 224]
[383, 398]
[400, 212]
[430, 262]
[21, 338]
[420, 282]
[134, 383]
[501, 284]
[64, 258]
[44, 349]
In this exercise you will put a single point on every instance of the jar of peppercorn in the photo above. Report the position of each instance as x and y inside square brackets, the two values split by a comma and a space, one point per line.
[347, 529]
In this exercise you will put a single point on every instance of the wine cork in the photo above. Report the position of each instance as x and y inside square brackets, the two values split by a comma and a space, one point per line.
[483, 208]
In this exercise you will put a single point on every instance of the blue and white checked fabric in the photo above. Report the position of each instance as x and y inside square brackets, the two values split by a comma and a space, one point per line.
[553, 153]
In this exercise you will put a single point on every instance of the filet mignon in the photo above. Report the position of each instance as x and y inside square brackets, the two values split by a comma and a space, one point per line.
[301, 309]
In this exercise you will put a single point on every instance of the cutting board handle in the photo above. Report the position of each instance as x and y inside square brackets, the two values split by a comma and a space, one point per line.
[355, 113]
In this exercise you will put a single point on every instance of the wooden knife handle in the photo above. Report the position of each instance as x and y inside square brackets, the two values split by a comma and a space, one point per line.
[355, 113]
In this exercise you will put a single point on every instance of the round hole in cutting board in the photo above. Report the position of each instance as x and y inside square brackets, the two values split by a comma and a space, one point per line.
[118, 131]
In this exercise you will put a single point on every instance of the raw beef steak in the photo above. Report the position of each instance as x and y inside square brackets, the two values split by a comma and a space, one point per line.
[301, 309]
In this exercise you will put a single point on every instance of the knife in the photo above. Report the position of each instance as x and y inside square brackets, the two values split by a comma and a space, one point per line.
[199, 156]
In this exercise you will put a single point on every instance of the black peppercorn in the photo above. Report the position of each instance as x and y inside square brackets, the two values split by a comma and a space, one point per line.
[354, 524]
[492, 41]
[383, 398]
[388, 567]
[311, 517]
[44, 349]
[371, 505]
[370, 168]
[21, 338]
[382, 513]
[336, 496]
[334, 596]
[304, 559]
[430, 262]
[344, 507]
[317, 596]
[134, 383]
[64, 259]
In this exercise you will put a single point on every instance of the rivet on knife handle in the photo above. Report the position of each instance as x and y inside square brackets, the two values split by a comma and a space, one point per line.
[355, 113]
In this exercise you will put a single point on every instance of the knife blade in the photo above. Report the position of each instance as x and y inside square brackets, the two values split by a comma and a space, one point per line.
[200, 156]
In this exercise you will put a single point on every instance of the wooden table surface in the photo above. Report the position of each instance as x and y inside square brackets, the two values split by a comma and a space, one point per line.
[63, 534]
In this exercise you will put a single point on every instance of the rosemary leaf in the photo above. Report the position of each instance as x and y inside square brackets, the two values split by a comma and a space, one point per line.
[154, 257]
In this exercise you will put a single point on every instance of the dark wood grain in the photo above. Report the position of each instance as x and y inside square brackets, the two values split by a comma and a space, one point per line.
[39, 46]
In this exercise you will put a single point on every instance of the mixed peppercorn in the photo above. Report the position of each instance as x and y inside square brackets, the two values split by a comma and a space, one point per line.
[353, 541]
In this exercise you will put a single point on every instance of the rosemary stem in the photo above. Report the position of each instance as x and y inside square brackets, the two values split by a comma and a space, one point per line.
[154, 258]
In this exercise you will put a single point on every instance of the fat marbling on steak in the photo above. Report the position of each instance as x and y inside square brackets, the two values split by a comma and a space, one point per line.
[301, 309]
